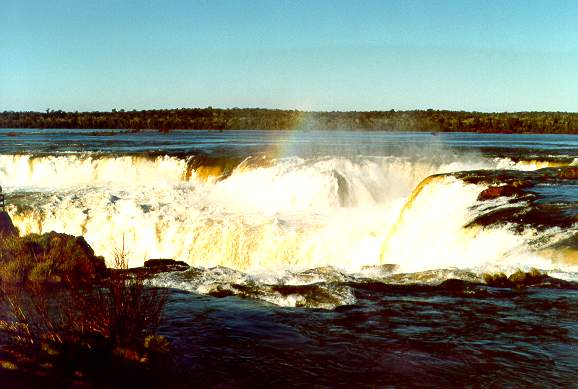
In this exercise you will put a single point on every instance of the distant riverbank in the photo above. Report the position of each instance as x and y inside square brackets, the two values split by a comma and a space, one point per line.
[274, 119]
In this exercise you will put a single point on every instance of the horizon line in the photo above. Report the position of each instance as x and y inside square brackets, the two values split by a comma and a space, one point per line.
[125, 110]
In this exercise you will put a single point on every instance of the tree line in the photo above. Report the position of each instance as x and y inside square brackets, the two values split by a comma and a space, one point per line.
[276, 119]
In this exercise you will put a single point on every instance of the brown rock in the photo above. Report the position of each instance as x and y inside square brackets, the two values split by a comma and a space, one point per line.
[7, 228]
[570, 172]
[494, 192]
[491, 193]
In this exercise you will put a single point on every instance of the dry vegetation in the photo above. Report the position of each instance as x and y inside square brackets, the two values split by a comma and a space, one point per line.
[67, 324]
[50, 257]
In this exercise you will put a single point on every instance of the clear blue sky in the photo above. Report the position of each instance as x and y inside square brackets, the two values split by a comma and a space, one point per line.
[316, 55]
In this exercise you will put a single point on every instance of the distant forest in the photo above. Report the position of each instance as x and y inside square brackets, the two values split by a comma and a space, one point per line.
[272, 119]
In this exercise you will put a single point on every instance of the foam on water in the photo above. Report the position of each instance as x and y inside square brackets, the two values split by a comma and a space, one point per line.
[67, 171]
[289, 214]
[527, 165]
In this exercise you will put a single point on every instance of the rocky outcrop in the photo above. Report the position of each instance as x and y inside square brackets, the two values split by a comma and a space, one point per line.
[151, 268]
[7, 228]
[165, 265]
[56, 257]
[569, 173]
[51, 257]
[529, 197]
[514, 188]
[519, 279]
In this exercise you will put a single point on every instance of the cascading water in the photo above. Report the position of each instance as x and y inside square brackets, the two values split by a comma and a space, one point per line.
[268, 216]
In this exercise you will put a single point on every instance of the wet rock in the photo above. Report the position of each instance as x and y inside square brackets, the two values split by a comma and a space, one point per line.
[7, 228]
[219, 291]
[512, 189]
[386, 268]
[533, 277]
[454, 284]
[518, 279]
[321, 274]
[152, 267]
[463, 288]
[165, 265]
[491, 193]
[570, 172]
[310, 296]
[432, 277]
[536, 215]
[499, 280]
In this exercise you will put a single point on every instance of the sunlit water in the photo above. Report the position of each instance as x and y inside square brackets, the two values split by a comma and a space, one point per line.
[326, 248]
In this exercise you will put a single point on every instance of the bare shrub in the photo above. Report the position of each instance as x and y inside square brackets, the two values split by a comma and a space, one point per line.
[61, 317]
[117, 313]
[120, 256]
[133, 308]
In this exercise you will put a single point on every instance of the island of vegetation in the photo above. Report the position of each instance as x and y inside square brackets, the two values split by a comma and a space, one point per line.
[275, 119]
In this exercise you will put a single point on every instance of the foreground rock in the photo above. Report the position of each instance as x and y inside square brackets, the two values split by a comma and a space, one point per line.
[7, 228]
[52, 257]
[153, 267]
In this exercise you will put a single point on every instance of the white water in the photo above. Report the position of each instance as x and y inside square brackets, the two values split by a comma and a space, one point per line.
[54, 172]
[291, 214]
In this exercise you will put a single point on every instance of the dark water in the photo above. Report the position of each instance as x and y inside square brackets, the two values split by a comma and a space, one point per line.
[400, 336]
[247, 143]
